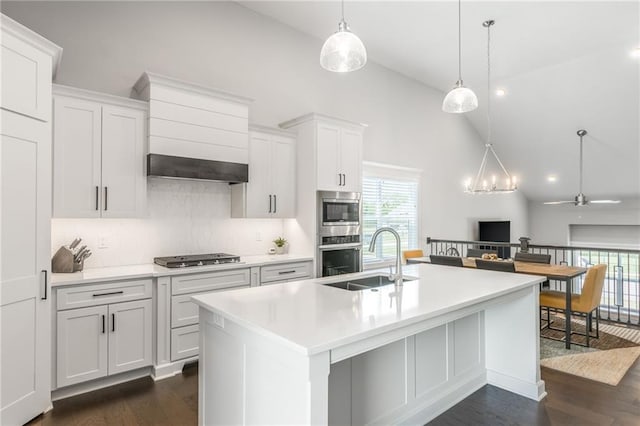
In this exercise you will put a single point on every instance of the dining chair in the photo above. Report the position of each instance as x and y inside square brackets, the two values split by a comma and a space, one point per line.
[408, 254]
[446, 260]
[535, 258]
[585, 303]
[473, 252]
[495, 265]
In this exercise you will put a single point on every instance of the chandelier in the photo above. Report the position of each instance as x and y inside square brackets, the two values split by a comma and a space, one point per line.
[480, 185]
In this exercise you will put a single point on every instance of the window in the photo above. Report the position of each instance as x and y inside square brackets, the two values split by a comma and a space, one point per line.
[389, 198]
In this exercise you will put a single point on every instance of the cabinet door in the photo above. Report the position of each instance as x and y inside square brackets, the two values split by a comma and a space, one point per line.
[25, 250]
[76, 157]
[123, 179]
[283, 173]
[351, 160]
[82, 345]
[259, 187]
[328, 143]
[129, 335]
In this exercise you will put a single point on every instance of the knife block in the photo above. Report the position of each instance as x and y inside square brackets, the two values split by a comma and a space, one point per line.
[63, 262]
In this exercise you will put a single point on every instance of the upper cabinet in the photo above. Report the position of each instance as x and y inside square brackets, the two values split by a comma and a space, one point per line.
[99, 155]
[270, 192]
[336, 146]
[28, 61]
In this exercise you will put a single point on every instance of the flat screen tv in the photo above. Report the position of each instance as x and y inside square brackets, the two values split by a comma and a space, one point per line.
[498, 231]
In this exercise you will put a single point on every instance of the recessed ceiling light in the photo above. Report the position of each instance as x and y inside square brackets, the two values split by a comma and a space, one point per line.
[501, 92]
[636, 52]
[552, 178]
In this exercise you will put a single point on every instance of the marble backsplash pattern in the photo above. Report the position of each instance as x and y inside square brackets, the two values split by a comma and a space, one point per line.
[183, 217]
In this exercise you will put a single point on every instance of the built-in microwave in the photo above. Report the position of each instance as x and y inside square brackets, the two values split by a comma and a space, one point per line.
[338, 213]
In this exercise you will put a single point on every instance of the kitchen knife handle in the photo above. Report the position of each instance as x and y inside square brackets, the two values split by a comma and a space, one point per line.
[106, 198]
[275, 203]
[46, 279]
[103, 329]
[97, 195]
[113, 322]
[270, 203]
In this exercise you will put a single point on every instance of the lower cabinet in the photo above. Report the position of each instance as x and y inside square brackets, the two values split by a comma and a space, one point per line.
[283, 272]
[102, 340]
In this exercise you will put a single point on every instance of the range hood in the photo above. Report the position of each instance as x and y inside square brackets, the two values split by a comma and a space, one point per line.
[195, 168]
[195, 132]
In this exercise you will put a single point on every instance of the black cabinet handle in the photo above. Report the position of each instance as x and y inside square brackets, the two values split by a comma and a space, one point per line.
[103, 330]
[269, 203]
[287, 272]
[46, 283]
[344, 180]
[108, 294]
[106, 198]
[97, 196]
[339, 179]
[113, 322]
[275, 203]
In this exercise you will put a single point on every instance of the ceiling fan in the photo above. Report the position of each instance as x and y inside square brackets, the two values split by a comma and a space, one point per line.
[581, 199]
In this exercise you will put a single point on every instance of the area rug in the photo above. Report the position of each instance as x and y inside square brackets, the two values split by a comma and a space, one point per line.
[607, 360]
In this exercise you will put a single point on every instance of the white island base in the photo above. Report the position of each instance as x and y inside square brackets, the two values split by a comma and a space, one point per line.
[404, 373]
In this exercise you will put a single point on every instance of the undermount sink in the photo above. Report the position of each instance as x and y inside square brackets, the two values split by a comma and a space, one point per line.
[365, 283]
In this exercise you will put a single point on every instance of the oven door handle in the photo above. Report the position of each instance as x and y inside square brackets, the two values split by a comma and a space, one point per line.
[357, 246]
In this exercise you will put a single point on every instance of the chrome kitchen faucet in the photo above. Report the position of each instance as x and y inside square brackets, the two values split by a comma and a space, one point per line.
[397, 277]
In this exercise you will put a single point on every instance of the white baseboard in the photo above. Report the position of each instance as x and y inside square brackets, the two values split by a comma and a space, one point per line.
[164, 371]
[535, 391]
[96, 384]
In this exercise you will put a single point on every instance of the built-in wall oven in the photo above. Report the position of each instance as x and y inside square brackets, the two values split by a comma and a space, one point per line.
[339, 237]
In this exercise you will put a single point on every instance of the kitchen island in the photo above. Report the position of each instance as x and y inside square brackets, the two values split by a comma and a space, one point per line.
[307, 353]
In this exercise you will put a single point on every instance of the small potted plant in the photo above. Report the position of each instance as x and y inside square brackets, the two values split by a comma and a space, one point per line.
[280, 245]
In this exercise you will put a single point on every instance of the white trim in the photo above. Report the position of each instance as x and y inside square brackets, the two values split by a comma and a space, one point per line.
[322, 117]
[148, 78]
[370, 168]
[90, 95]
[34, 39]
[535, 391]
[271, 130]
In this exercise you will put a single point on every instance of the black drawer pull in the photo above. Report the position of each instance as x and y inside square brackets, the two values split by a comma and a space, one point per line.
[293, 271]
[113, 322]
[103, 324]
[108, 294]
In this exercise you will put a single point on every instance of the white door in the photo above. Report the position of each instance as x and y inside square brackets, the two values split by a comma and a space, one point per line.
[283, 175]
[123, 179]
[82, 345]
[351, 160]
[25, 244]
[129, 335]
[328, 143]
[259, 188]
[76, 157]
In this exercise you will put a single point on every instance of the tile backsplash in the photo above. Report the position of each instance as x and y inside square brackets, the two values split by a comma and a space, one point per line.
[183, 217]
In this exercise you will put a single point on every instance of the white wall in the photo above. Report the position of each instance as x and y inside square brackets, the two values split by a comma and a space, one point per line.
[550, 224]
[107, 45]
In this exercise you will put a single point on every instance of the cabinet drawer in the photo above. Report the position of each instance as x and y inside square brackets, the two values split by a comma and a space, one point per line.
[284, 272]
[102, 294]
[184, 311]
[200, 283]
[184, 342]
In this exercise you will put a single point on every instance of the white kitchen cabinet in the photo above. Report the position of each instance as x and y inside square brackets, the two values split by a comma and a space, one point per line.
[26, 69]
[333, 148]
[283, 272]
[101, 331]
[270, 192]
[99, 155]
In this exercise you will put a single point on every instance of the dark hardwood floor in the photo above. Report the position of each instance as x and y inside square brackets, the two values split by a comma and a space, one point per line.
[571, 400]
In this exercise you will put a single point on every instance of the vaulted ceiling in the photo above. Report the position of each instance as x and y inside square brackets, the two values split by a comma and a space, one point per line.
[564, 66]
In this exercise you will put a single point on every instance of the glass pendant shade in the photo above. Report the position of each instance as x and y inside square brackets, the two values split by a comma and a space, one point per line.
[460, 99]
[343, 51]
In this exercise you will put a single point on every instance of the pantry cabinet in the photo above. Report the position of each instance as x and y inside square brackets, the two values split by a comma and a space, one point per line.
[98, 155]
[270, 192]
[101, 331]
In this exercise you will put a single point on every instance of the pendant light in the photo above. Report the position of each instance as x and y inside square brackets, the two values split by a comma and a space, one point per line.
[460, 99]
[343, 51]
[480, 184]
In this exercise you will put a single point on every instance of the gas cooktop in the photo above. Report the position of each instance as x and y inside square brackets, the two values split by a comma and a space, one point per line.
[196, 260]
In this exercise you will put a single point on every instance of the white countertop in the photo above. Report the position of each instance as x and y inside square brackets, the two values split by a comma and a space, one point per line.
[312, 318]
[149, 270]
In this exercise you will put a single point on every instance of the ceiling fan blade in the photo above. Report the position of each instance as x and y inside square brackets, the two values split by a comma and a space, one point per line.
[559, 202]
[605, 201]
